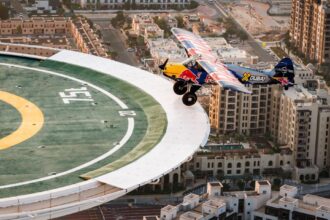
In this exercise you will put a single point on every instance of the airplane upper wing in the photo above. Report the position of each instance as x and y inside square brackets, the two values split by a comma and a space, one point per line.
[195, 45]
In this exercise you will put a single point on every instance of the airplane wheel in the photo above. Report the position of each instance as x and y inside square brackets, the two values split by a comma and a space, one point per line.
[189, 98]
[180, 87]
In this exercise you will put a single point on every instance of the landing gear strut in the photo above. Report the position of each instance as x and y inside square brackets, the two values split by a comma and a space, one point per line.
[180, 87]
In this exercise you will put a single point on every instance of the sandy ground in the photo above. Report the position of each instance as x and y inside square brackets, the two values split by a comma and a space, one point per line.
[253, 16]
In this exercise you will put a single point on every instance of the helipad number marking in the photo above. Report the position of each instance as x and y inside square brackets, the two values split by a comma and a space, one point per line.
[127, 113]
[73, 94]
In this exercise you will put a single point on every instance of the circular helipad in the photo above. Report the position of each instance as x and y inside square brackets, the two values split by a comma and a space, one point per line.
[61, 124]
[78, 130]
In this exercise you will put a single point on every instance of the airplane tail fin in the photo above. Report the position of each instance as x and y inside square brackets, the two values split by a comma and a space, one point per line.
[284, 69]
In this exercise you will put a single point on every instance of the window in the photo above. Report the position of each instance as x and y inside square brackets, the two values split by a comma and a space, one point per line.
[197, 165]
[229, 165]
[281, 162]
[247, 163]
[238, 171]
[228, 171]
[270, 163]
[219, 164]
[238, 165]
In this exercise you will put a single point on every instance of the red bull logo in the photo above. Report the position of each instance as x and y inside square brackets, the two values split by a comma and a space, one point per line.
[188, 75]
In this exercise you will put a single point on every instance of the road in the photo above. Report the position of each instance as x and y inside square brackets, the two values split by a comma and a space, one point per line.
[263, 55]
[117, 43]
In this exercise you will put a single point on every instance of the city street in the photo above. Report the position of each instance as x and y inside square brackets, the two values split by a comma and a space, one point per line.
[117, 43]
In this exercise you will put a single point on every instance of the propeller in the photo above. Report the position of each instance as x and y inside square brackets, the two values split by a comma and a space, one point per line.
[162, 66]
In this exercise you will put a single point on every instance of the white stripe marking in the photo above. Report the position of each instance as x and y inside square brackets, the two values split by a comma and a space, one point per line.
[122, 142]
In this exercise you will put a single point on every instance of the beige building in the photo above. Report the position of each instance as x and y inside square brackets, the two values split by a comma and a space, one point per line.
[237, 112]
[58, 42]
[310, 30]
[287, 205]
[216, 204]
[236, 160]
[302, 119]
[86, 39]
[298, 119]
[140, 22]
[53, 32]
[36, 26]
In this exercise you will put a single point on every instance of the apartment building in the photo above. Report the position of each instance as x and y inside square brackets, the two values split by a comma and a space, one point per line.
[36, 26]
[216, 204]
[58, 42]
[140, 23]
[289, 206]
[310, 29]
[280, 7]
[86, 39]
[237, 112]
[302, 119]
[230, 160]
[115, 3]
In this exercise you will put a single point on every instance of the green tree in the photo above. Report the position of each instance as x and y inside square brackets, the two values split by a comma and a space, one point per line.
[277, 182]
[193, 5]
[243, 36]
[180, 21]
[162, 23]
[226, 187]
[19, 29]
[119, 20]
[4, 12]
[241, 184]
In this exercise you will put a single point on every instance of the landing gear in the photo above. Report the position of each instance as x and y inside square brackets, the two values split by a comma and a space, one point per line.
[189, 98]
[180, 87]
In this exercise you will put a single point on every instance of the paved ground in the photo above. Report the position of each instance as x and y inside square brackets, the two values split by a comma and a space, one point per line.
[254, 47]
[117, 43]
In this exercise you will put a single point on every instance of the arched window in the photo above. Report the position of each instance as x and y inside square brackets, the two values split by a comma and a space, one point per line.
[238, 165]
[307, 177]
[219, 164]
[229, 165]
[313, 177]
[281, 163]
[247, 163]
[301, 177]
[270, 163]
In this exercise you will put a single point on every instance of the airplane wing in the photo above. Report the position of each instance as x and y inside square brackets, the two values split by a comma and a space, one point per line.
[195, 45]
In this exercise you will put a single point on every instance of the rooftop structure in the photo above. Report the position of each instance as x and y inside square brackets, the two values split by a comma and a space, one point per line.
[216, 204]
[288, 206]
[104, 185]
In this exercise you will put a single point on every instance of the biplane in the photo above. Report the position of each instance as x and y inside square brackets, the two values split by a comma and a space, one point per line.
[202, 66]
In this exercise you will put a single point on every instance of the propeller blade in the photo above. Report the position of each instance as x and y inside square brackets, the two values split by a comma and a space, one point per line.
[162, 66]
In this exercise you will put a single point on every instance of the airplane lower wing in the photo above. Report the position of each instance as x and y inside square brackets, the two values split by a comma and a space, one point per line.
[195, 45]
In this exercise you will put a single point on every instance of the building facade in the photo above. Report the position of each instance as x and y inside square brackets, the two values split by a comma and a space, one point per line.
[310, 29]
[116, 3]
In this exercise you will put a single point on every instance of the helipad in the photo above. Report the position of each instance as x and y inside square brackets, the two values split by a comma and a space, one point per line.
[78, 130]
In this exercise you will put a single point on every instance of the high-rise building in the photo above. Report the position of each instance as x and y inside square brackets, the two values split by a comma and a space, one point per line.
[298, 118]
[310, 29]
[247, 114]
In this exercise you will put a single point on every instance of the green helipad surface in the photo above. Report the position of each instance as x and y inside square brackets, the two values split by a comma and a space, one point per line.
[81, 123]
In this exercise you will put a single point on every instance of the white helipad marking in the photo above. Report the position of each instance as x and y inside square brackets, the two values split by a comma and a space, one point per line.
[122, 142]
